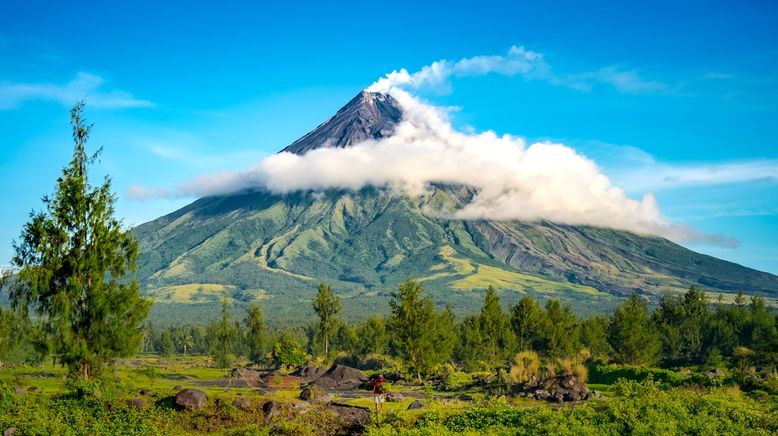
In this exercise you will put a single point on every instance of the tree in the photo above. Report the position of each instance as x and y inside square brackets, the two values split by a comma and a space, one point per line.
[166, 345]
[594, 336]
[256, 342]
[559, 330]
[526, 321]
[184, 340]
[372, 337]
[327, 307]
[497, 339]
[224, 336]
[632, 334]
[288, 353]
[75, 260]
[422, 337]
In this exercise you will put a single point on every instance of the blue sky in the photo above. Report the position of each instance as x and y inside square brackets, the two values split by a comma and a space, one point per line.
[679, 99]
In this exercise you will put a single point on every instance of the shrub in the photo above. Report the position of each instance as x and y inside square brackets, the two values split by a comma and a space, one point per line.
[457, 380]
[526, 366]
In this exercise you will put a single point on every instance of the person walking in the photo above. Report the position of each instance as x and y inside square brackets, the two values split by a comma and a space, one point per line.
[379, 393]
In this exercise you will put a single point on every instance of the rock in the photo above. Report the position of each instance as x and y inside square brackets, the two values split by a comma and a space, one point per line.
[135, 403]
[315, 395]
[9, 431]
[191, 399]
[301, 405]
[18, 390]
[715, 373]
[416, 405]
[243, 403]
[178, 388]
[355, 417]
[308, 373]
[146, 392]
[117, 380]
[465, 397]
[596, 394]
[32, 389]
[541, 394]
[395, 397]
[271, 409]
[341, 377]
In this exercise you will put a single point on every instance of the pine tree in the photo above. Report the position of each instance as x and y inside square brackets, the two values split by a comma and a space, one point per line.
[560, 330]
[256, 341]
[497, 339]
[632, 333]
[224, 336]
[422, 337]
[75, 261]
[526, 322]
[327, 307]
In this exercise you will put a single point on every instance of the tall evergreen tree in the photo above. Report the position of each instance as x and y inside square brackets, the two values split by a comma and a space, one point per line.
[224, 338]
[632, 333]
[422, 337]
[497, 339]
[256, 340]
[327, 307]
[526, 322]
[75, 260]
[372, 337]
[559, 332]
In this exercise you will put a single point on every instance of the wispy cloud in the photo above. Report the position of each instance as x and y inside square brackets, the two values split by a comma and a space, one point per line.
[659, 176]
[518, 61]
[84, 85]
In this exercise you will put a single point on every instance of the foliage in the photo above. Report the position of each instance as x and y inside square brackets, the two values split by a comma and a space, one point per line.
[327, 307]
[288, 353]
[255, 340]
[526, 321]
[525, 368]
[457, 380]
[225, 336]
[633, 335]
[421, 336]
[74, 260]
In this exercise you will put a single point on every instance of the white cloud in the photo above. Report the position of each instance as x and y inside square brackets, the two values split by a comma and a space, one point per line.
[83, 86]
[519, 61]
[515, 180]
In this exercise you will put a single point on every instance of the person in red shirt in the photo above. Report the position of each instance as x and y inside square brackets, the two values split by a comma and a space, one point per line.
[379, 393]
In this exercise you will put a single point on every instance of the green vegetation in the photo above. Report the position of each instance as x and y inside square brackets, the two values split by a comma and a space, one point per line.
[74, 259]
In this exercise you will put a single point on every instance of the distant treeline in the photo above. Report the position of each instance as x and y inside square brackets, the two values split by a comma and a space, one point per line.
[682, 330]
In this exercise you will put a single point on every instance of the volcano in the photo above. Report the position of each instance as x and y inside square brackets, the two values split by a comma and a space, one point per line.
[255, 245]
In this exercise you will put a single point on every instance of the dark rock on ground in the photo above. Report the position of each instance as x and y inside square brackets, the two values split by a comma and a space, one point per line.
[341, 377]
[271, 409]
[243, 403]
[32, 389]
[250, 377]
[395, 397]
[191, 399]
[178, 388]
[146, 392]
[355, 417]
[315, 395]
[715, 373]
[135, 403]
[560, 388]
[416, 405]
[308, 373]
[10, 431]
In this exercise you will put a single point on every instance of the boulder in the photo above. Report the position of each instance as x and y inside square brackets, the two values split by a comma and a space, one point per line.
[10, 431]
[18, 390]
[416, 405]
[341, 377]
[355, 417]
[135, 403]
[308, 373]
[191, 399]
[395, 397]
[32, 389]
[146, 392]
[271, 409]
[715, 373]
[243, 403]
[315, 395]
[178, 388]
[541, 394]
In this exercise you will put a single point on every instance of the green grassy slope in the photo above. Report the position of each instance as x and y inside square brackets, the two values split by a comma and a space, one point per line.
[276, 248]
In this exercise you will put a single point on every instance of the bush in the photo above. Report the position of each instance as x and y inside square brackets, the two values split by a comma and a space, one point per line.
[457, 380]
[608, 374]
[526, 366]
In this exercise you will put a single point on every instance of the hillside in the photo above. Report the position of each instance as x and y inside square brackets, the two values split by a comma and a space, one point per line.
[255, 245]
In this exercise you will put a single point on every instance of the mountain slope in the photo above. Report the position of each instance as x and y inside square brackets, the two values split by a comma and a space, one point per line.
[255, 245]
